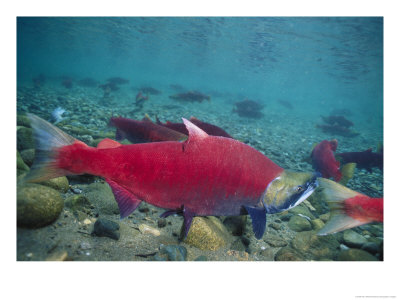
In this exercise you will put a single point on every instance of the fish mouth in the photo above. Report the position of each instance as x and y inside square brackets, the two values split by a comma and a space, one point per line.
[289, 190]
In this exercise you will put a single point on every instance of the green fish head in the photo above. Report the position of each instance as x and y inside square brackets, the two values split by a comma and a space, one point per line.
[288, 190]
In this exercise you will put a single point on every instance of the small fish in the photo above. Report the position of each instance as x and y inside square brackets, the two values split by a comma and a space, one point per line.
[202, 176]
[348, 208]
[365, 159]
[323, 159]
[57, 115]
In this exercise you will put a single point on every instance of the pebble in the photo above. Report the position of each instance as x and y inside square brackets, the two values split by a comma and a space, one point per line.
[298, 224]
[161, 222]
[106, 228]
[171, 253]
[85, 246]
[353, 239]
[275, 241]
[146, 229]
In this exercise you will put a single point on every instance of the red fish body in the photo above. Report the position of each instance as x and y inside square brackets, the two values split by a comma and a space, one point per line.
[349, 208]
[323, 159]
[205, 175]
[143, 131]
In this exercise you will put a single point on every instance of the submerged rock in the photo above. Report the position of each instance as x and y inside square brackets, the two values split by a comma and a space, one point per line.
[317, 224]
[37, 205]
[106, 228]
[77, 202]
[146, 229]
[21, 164]
[207, 233]
[356, 255]
[298, 224]
[353, 239]
[288, 254]
[28, 155]
[171, 253]
[60, 184]
[25, 139]
[275, 241]
[313, 246]
[101, 196]
[23, 121]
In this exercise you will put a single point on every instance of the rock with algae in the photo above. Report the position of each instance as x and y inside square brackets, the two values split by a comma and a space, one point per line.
[207, 233]
[37, 205]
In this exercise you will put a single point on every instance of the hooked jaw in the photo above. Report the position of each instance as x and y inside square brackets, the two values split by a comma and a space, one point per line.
[289, 190]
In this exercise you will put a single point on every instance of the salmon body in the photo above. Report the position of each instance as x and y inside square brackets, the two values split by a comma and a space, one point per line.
[364, 208]
[323, 160]
[207, 175]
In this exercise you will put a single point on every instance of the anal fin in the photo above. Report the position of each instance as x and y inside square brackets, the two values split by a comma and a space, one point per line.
[259, 220]
[127, 202]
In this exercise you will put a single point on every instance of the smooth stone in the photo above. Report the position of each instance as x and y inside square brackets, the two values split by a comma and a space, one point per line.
[275, 241]
[275, 226]
[353, 239]
[28, 155]
[58, 256]
[21, 165]
[171, 253]
[106, 228]
[146, 229]
[101, 196]
[317, 224]
[344, 247]
[236, 225]
[356, 255]
[77, 202]
[25, 138]
[371, 247]
[60, 183]
[37, 205]
[207, 233]
[303, 210]
[298, 224]
[325, 217]
[313, 246]
[201, 258]
[286, 217]
[268, 254]
[288, 254]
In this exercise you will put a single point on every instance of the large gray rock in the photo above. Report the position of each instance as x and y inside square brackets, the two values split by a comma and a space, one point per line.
[353, 239]
[37, 205]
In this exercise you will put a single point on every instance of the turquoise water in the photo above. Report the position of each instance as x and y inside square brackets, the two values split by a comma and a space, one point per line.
[317, 63]
[297, 69]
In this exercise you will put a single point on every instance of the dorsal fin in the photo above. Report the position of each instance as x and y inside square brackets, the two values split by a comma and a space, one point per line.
[108, 143]
[194, 131]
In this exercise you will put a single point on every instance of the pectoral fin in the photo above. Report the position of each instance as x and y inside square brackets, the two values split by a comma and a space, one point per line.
[127, 202]
[258, 219]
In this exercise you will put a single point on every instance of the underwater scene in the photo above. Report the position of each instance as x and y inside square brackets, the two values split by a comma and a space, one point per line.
[199, 139]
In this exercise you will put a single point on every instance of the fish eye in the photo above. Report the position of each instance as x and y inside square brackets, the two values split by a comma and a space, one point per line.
[299, 188]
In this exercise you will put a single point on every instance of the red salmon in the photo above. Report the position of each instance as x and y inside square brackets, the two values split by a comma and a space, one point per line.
[323, 159]
[203, 176]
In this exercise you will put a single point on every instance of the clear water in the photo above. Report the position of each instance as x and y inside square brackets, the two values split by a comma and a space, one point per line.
[317, 63]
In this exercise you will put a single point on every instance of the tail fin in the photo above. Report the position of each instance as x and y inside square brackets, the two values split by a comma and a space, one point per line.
[335, 195]
[47, 138]
[347, 172]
